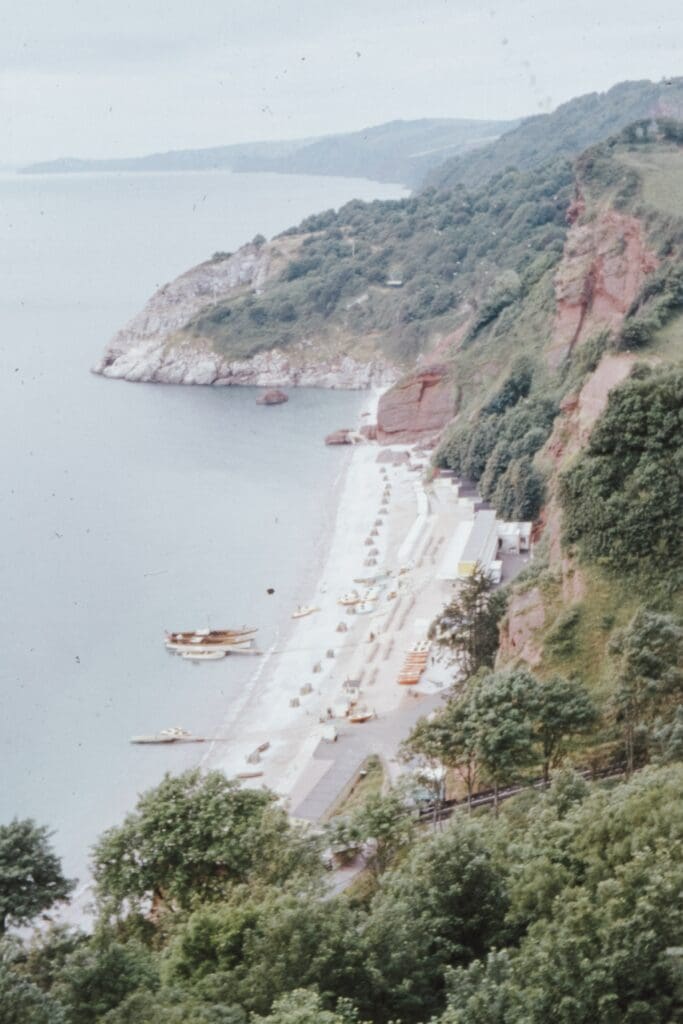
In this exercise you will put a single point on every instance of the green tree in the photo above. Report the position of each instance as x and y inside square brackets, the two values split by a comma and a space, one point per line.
[622, 498]
[173, 1006]
[564, 708]
[257, 950]
[519, 491]
[301, 1006]
[442, 907]
[196, 836]
[449, 737]
[31, 878]
[649, 673]
[668, 738]
[468, 625]
[383, 824]
[96, 977]
[503, 707]
[22, 1002]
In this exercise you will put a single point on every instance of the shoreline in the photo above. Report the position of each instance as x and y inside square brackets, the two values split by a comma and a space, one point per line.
[294, 702]
[267, 675]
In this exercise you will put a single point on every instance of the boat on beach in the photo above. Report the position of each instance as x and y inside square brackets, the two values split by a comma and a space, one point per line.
[303, 610]
[360, 715]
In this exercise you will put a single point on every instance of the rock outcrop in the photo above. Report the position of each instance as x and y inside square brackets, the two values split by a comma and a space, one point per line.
[417, 408]
[343, 436]
[604, 265]
[273, 397]
[521, 628]
[154, 347]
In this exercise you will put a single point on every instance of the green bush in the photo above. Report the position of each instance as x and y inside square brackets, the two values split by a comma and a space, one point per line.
[623, 498]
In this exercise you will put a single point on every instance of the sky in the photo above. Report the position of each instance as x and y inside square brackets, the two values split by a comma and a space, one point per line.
[126, 77]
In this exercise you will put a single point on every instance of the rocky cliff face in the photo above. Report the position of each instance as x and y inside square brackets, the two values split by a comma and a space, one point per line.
[150, 347]
[602, 271]
[523, 624]
[417, 408]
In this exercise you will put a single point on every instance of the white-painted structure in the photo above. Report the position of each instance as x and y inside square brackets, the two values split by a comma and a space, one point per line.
[479, 539]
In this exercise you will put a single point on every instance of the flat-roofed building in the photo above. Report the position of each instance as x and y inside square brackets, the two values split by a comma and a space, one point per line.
[482, 544]
[482, 541]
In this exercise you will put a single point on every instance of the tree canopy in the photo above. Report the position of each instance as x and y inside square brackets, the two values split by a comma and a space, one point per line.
[31, 878]
[623, 497]
[194, 837]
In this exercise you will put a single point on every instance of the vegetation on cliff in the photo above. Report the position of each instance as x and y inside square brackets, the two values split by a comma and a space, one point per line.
[565, 906]
[565, 132]
[395, 275]
[623, 497]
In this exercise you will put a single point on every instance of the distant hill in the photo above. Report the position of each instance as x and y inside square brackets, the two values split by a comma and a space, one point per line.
[566, 132]
[401, 151]
[397, 151]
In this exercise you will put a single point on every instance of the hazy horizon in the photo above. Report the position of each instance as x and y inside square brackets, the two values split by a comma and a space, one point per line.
[95, 82]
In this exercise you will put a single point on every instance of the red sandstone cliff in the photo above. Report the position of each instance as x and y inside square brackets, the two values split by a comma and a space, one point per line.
[604, 265]
[417, 408]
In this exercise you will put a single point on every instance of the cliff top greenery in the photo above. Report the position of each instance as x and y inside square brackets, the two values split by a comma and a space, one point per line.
[442, 250]
[565, 132]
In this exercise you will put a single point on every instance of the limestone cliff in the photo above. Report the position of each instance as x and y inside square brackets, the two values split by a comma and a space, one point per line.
[156, 346]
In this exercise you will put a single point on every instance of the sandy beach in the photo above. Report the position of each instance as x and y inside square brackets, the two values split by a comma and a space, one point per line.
[298, 696]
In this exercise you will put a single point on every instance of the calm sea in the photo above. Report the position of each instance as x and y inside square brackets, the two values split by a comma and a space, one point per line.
[127, 509]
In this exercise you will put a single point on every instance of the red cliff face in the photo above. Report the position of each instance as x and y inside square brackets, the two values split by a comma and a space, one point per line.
[417, 408]
[602, 271]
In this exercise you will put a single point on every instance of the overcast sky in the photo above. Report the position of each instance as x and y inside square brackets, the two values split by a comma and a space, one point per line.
[127, 77]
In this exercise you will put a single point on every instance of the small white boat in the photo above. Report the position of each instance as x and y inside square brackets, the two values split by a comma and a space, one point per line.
[372, 594]
[353, 597]
[173, 735]
[203, 654]
[364, 608]
[303, 610]
[360, 715]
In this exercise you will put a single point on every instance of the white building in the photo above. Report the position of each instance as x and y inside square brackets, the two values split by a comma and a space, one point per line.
[480, 541]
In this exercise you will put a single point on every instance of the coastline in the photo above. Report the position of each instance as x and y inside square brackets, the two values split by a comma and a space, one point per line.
[294, 700]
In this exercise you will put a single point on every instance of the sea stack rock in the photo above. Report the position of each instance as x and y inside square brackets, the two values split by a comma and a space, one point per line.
[417, 408]
[272, 397]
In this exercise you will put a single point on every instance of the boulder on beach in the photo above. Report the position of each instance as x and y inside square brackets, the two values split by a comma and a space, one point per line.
[272, 397]
[342, 436]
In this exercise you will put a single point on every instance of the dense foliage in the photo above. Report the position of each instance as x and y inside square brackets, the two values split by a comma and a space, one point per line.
[196, 837]
[440, 249]
[565, 907]
[31, 877]
[500, 724]
[623, 497]
[497, 447]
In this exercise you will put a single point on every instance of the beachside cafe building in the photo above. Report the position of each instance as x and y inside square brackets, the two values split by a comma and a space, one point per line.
[481, 541]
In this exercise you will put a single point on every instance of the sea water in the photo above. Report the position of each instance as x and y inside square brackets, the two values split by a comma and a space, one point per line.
[128, 509]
